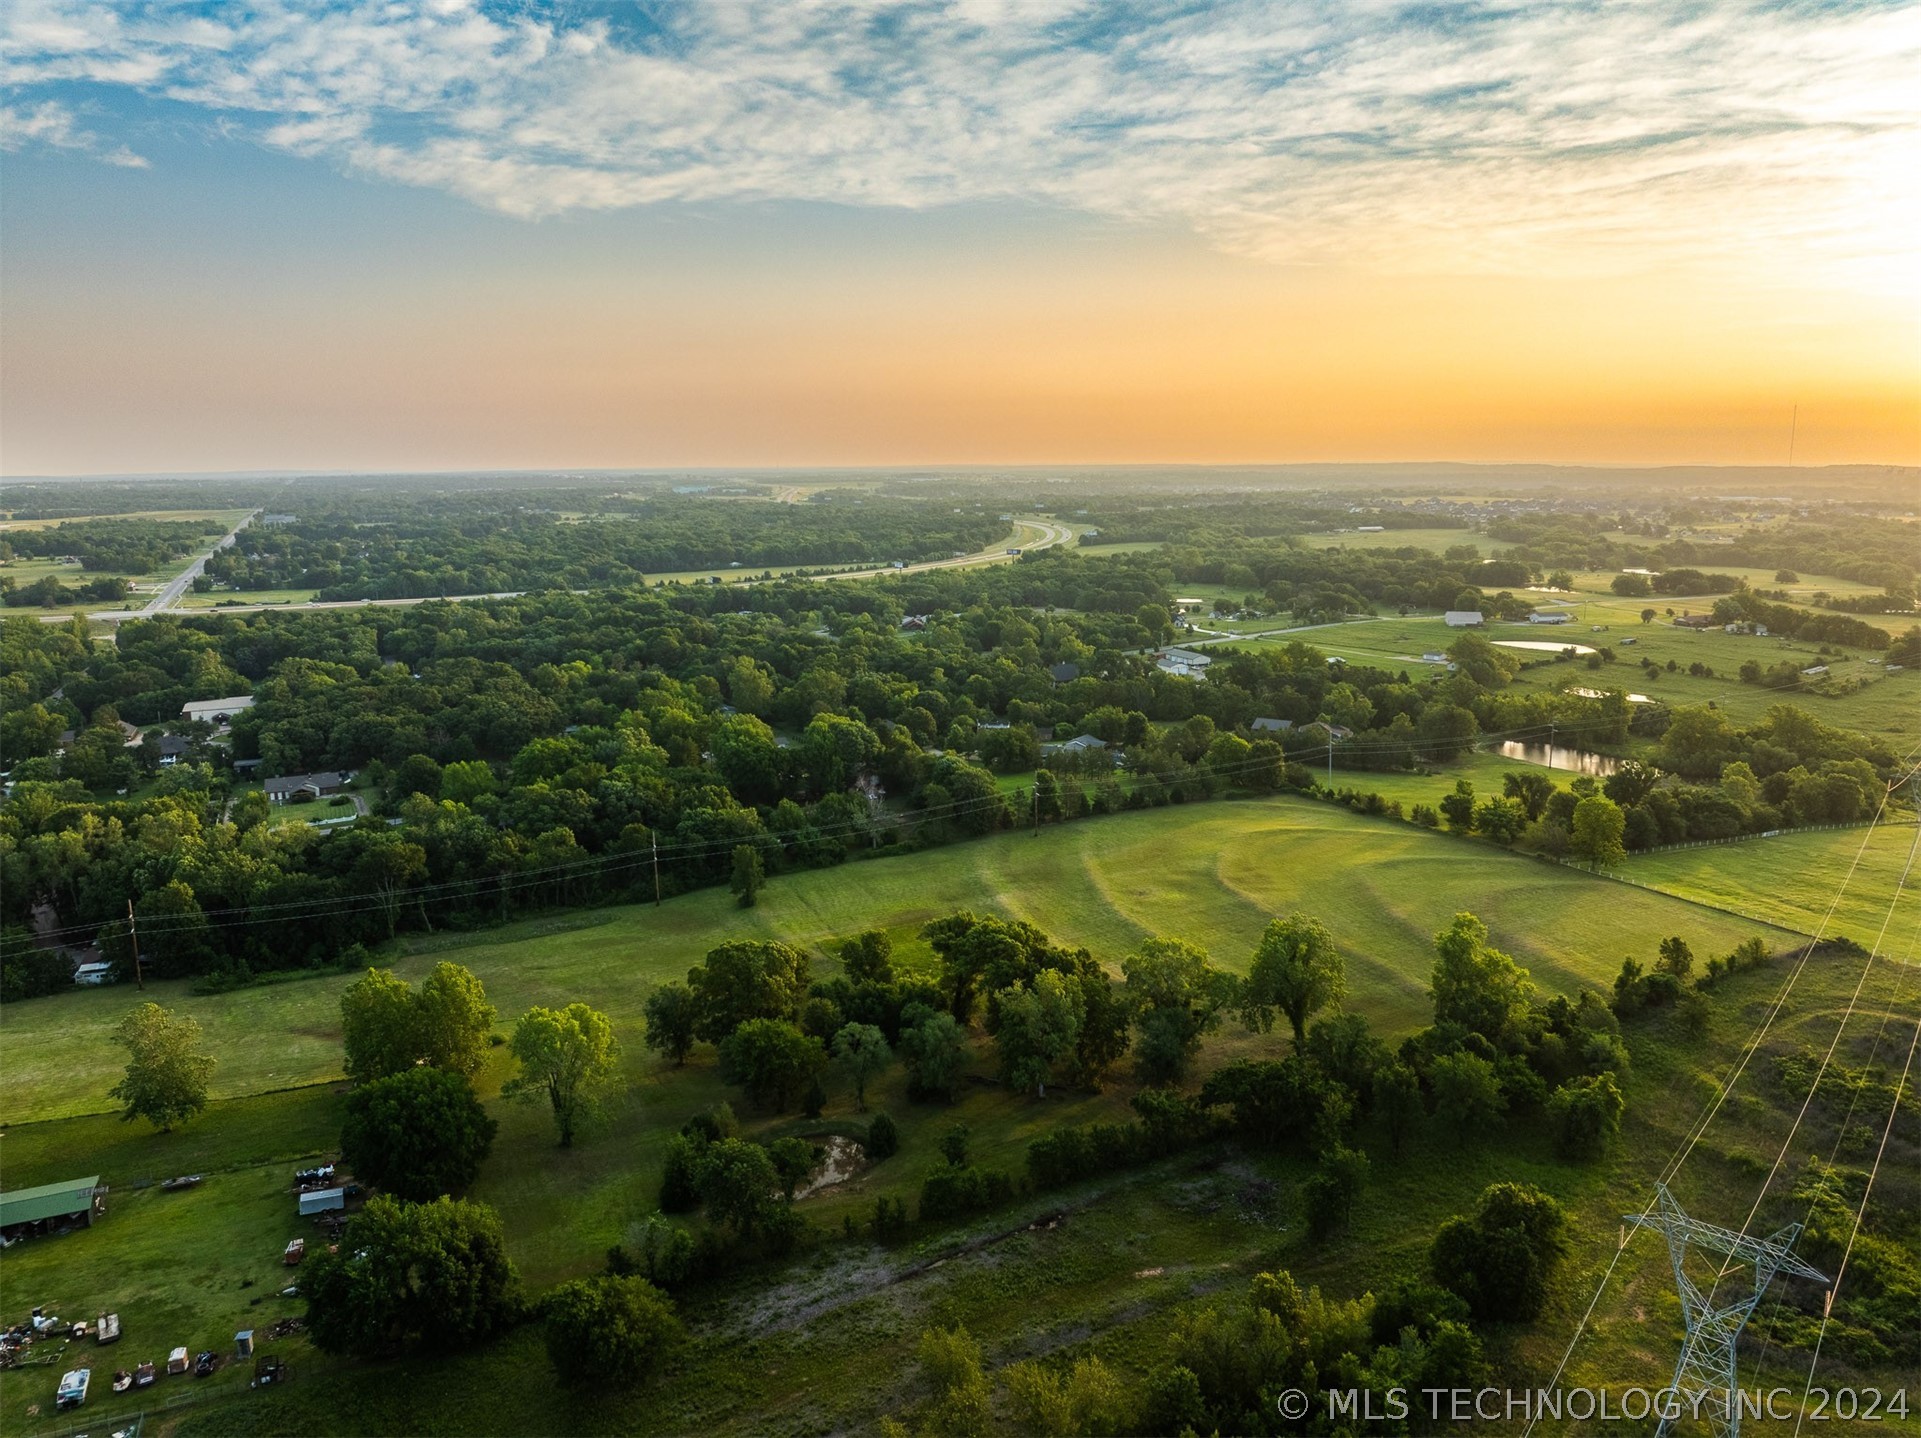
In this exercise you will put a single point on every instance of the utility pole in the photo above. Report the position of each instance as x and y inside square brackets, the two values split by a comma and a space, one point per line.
[1550, 744]
[1034, 804]
[656, 841]
[1330, 758]
[133, 937]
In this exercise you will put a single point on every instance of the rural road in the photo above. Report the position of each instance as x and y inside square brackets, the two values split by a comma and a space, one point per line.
[177, 586]
[1028, 535]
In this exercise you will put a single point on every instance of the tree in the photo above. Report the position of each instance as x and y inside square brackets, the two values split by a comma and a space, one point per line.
[567, 1054]
[1499, 1259]
[671, 1016]
[737, 1183]
[951, 1359]
[1397, 1098]
[953, 1145]
[418, 1134]
[746, 979]
[867, 958]
[1597, 832]
[933, 1046]
[1458, 808]
[749, 874]
[1529, 789]
[1475, 986]
[863, 1052]
[377, 1026]
[1087, 1399]
[1039, 1024]
[166, 1078]
[883, 1138]
[609, 1332]
[453, 1019]
[1329, 1192]
[771, 1059]
[1676, 957]
[412, 1275]
[1175, 996]
[1297, 971]
[1467, 1093]
[387, 1026]
[1586, 1114]
[1631, 586]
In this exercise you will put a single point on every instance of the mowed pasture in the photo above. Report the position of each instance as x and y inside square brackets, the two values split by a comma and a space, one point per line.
[1213, 874]
[194, 1267]
[828, 1342]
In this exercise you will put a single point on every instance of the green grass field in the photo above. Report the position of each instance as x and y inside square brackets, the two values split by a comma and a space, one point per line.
[824, 1344]
[1211, 873]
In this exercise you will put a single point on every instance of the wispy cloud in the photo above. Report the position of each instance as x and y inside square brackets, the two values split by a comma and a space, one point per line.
[1467, 137]
[53, 125]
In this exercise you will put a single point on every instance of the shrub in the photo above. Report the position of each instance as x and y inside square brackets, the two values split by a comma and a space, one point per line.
[956, 1190]
[1329, 1193]
[1586, 1113]
[883, 1138]
[1498, 1260]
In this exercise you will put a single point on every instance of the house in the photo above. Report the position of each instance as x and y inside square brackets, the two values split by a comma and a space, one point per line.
[1463, 619]
[246, 768]
[1551, 618]
[1064, 673]
[1271, 726]
[50, 1207]
[92, 976]
[279, 518]
[1695, 621]
[915, 621]
[1187, 663]
[1189, 606]
[315, 786]
[1434, 656]
[215, 711]
[1079, 744]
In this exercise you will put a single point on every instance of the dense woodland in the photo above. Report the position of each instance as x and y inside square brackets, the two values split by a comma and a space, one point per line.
[490, 544]
[541, 751]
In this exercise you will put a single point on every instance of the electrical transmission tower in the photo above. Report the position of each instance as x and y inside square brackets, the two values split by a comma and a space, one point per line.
[1704, 1379]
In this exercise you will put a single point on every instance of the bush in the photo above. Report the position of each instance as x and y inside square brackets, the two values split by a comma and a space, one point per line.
[1586, 1113]
[418, 1134]
[955, 1191]
[1499, 1259]
[610, 1332]
[27, 972]
[883, 1138]
[412, 1275]
[1329, 1193]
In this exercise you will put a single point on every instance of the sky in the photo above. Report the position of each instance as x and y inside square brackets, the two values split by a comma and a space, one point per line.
[451, 234]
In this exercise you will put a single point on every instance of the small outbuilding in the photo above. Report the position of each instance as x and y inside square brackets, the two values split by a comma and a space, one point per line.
[27, 1212]
[1463, 619]
[296, 787]
[322, 1200]
[216, 711]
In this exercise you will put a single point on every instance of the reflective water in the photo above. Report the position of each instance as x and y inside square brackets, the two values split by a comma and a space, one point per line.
[1571, 761]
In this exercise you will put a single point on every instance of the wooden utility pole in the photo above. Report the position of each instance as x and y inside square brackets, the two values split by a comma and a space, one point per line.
[133, 937]
[656, 841]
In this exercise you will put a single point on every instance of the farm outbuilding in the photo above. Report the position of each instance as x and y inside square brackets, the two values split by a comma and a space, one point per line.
[30, 1211]
[322, 1200]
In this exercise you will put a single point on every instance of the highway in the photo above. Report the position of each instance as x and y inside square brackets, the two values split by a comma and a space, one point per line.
[177, 586]
[1028, 536]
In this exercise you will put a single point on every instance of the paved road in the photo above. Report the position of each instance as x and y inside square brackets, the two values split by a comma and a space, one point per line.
[177, 586]
[1050, 532]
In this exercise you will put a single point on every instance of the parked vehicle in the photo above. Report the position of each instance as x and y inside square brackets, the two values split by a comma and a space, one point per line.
[73, 1388]
[204, 1364]
[143, 1374]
